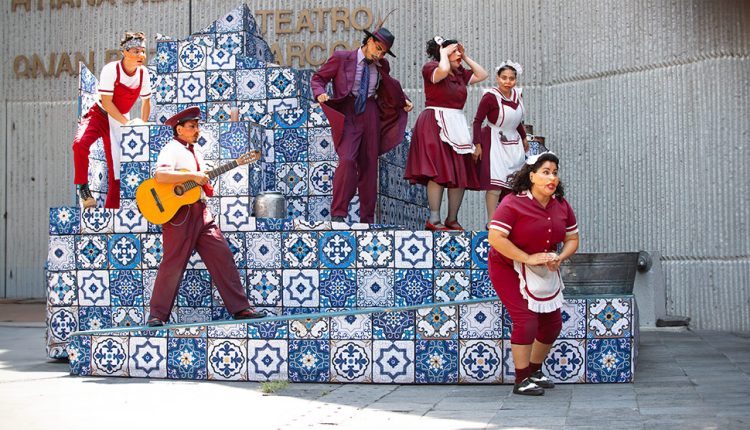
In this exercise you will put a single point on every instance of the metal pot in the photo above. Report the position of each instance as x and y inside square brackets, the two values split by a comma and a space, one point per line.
[270, 204]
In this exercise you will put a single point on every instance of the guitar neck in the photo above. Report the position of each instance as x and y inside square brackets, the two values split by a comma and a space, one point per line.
[213, 173]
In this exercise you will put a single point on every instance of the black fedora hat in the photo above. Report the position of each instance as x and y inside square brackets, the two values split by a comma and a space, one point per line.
[385, 37]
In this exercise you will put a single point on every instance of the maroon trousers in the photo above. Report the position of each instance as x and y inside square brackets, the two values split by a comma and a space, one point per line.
[193, 228]
[527, 324]
[94, 125]
[358, 161]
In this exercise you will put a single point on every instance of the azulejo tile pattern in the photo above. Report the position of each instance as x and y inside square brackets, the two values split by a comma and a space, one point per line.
[102, 263]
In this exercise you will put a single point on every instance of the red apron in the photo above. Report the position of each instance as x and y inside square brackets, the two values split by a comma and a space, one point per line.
[97, 124]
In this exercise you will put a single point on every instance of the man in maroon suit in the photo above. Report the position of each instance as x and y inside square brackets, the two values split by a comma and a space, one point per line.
[368, 118]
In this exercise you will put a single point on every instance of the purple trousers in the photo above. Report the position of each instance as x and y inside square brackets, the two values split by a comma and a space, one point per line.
[358, 161]
[193, 228]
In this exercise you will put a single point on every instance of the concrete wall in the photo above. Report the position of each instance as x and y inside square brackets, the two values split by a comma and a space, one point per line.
[646, 102]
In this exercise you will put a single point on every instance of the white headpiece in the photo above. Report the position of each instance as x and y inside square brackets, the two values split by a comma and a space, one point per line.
[439, 40]
[534, 158]
[512, 64]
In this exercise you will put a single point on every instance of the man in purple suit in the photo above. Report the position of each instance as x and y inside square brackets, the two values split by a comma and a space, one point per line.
[368, 117]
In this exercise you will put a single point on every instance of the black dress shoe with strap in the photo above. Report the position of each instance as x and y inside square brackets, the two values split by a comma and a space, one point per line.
[528, 388]
[539, 379]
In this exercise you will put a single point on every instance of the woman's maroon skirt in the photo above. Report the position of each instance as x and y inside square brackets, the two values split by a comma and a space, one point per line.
[431, 159]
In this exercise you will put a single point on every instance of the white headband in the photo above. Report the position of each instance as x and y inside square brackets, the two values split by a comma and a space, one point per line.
[534, 158]
[505, 63]
[439, 40]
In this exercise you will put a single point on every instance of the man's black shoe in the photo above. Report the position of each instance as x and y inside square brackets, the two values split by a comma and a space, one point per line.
[154, 322]
[337, 219]
[248, 314]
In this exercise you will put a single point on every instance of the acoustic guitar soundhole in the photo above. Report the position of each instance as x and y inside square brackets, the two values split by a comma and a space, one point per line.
[179, 190]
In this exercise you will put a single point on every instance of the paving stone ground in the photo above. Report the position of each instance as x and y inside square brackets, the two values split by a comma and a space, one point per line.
[684, 380]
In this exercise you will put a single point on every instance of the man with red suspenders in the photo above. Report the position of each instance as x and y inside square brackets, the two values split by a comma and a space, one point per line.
[191, 228]
[121, 83]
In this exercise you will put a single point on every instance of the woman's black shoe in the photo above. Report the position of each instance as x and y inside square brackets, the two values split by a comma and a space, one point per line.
[528, 388]
[539, 379]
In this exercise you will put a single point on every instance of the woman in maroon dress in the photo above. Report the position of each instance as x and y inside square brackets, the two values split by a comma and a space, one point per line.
[524, 264]
[442, 154]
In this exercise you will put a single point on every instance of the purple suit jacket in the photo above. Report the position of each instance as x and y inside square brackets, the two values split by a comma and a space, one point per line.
[340, 68]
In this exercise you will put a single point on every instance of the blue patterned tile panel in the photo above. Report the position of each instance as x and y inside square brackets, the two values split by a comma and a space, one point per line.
[609, 318]
[79, 355]
[480, 361]
[62, 288]
[300, 250]
[338, 288]
[609, 360]
[300, 288]
[109, 356]
[565, 362]
[375, 249]
[166, 57]
[338, 249]
[413, 286]
[481, 321]
[436, 362]
[452, 285]
[267, 360]
[126, 287]
[452, 249]
[351, 361]
[437, 323]
[61, 253]
[91, 252]
[94, 317]
[351, 327]
[148, 357]
[481, 285]
[376, 288]
[227, 359]
[64, 220]
[124, 251]
[573, 314]
[394, 325]
[393, 361]
[480, 249]
[186, 358]
[414, 249]
[309, 361]
[93, 289]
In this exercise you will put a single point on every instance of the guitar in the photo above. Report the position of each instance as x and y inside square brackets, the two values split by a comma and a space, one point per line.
[159, 202]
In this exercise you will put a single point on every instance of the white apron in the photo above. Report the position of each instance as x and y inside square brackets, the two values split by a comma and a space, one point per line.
[541, 287]
[506, 151]
[453, 129]
[115, 139]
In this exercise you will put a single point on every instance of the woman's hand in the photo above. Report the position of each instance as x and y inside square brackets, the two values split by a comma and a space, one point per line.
[525, 145]
[554, 265]
[540, 258]
[477, 155]
[460, 49]
[408, 106]
[323, 98]
[446, 51]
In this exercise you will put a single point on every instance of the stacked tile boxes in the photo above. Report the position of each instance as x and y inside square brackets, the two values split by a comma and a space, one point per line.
[211, 69]
[99, 279]
[102, 266]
